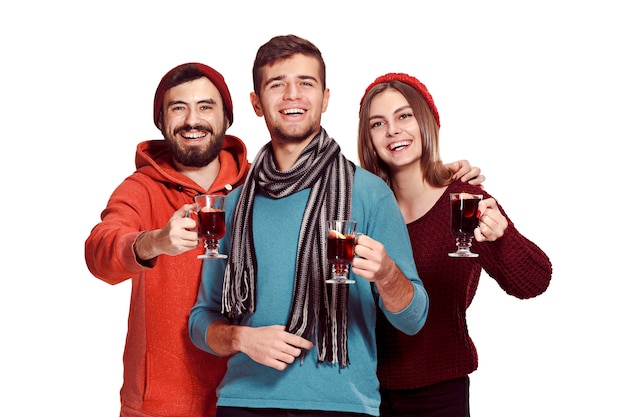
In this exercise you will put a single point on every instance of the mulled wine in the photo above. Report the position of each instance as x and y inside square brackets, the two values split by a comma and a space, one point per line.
[463, 220]
[340, 249]
[211, 223]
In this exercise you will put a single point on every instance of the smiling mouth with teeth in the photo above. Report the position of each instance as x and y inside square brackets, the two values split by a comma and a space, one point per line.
[293, 111]
[399, 145]
[193, 136]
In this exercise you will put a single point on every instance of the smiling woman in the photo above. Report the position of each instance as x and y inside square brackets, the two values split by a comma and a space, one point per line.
[399, 141]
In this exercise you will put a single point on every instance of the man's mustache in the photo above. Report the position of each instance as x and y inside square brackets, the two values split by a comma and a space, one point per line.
[204, 128]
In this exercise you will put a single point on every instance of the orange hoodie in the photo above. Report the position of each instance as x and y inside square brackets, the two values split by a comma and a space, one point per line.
[164, 374]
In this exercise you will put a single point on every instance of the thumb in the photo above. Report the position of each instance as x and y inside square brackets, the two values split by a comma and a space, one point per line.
[185, 211]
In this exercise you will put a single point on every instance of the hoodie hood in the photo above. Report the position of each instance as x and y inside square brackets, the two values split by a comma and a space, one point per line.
[153, 159]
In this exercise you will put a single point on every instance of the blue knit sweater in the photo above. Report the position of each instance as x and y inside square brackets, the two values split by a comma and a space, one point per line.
[310, 385]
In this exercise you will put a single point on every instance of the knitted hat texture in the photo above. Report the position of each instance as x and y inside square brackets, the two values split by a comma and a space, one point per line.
[409, 80]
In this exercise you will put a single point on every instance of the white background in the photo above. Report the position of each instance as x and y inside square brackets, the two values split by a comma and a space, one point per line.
[531, 92]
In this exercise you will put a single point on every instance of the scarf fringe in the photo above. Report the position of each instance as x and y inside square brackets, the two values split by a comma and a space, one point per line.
[244, 300]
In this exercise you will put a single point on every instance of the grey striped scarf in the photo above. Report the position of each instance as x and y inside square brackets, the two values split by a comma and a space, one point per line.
[317, 310]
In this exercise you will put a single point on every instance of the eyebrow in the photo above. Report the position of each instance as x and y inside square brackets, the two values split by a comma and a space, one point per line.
[203, 101]
[396, 111]
[283, 77]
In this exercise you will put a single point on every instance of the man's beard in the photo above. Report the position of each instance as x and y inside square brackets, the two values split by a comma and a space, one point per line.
[194, 156]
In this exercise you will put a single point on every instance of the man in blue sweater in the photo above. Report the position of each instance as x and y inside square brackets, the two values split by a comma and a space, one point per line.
[296, 342]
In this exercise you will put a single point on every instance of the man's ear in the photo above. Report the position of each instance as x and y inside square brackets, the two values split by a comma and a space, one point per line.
[325, 100]
[256, 104]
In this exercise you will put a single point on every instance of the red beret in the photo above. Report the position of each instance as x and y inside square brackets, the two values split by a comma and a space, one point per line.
[409, 80]
[173, 77]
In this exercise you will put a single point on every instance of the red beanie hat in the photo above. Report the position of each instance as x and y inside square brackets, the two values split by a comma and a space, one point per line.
[409, 80]
[169, 80]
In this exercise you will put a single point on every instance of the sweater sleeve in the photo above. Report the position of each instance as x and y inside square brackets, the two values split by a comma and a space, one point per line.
[386, 225]
[206, 310]
[109, 252]
[208, 306]
[519, 266]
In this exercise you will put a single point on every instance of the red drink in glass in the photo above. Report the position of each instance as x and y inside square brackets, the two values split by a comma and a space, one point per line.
[340, 250]
[340, 243]
[464, 216]
[212, 224]
[463, 220]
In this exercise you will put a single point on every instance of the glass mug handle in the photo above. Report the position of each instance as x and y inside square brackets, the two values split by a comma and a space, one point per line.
[357, 235]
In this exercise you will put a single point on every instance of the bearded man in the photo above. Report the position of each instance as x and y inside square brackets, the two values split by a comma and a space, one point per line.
[144, 235]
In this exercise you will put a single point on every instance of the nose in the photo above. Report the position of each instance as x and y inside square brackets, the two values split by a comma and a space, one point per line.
[192, 116]
[292, 91]
[392, 129]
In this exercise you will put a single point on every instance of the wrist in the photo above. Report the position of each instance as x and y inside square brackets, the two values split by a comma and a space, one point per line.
[141, 248]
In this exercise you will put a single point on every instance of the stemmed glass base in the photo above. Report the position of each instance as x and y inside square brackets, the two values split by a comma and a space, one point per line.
[463, 248]
[340, 275]
[212, 251]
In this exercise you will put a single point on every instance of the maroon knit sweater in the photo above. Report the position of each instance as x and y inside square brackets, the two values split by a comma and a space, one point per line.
[443, 349]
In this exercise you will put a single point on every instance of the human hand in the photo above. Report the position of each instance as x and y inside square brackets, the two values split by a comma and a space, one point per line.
[491, 222]
[467, 173]
[178, 236]
[372, 262]
[271, 346]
